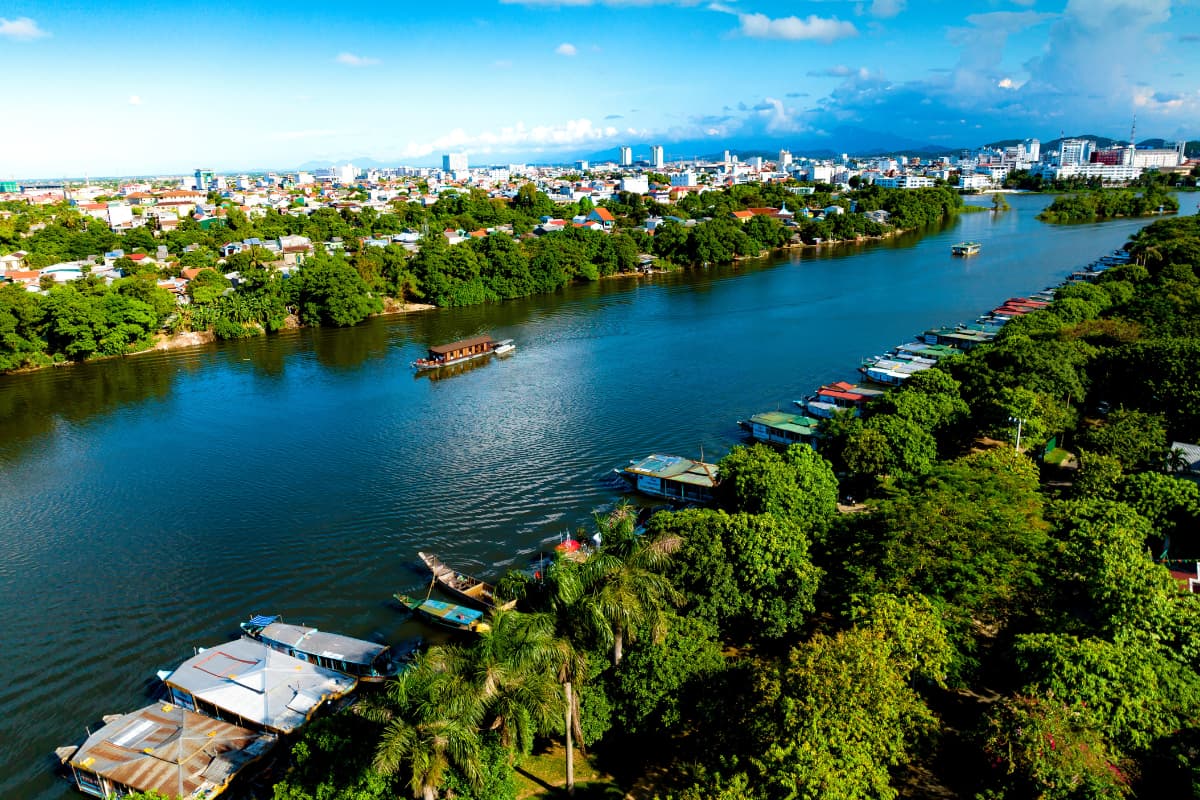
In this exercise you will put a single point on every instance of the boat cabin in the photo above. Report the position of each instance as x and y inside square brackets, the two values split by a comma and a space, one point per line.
[166, 749]
[361, 659]
[780, 427]
[673, 477]
[246, 683]
[465, 348]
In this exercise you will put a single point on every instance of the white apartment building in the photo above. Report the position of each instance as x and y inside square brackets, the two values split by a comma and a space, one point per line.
[905, 182]
[626, 157]
[656, 157]
[454, 162]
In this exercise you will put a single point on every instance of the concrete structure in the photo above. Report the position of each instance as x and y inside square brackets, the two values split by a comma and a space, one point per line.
[454, 162]
[626, 157]
[656, 157]
[204, 179]
[905, 182]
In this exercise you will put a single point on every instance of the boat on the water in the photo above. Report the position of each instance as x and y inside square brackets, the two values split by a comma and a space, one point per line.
[781, 427]
[504, 347]
[165, 749]
[443, 355]
[466, 587]
[966, 248]
[446, 615]
[367, 661]
[673, 477]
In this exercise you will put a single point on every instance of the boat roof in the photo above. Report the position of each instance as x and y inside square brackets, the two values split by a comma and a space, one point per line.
[451, 612]
[259, 684]
[329, 645]
[442, 349]
[170, 750]
[676, 468]
[796, 423]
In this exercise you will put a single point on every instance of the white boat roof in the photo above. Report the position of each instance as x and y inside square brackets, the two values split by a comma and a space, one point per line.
[329, 645]
[258, 684]
[170, 750]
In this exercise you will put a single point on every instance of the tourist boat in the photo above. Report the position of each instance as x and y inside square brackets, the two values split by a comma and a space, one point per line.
[446, 615]
[781, 427]
[165, 749]
[672, 477]
[465, 587]
[367, 661]
[966, 248]
[443, 355]
[504, 347]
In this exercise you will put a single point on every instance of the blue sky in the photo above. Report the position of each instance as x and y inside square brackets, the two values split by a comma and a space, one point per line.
[116, 87]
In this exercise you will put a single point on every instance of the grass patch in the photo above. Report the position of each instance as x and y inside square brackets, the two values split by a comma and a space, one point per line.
[1058, 455]
[543, 774]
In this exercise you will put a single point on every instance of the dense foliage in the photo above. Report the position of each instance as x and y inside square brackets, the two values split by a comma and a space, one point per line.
[352, 281]
[1108, 203]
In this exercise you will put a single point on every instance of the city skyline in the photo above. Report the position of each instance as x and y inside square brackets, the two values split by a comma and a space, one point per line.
[114, 90]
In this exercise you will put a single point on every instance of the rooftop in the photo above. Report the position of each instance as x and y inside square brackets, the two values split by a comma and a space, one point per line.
[170, 750]
[329, 645]
[258, 684]
[676, 468]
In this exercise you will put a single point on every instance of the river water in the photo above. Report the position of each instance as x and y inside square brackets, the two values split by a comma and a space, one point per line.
[149, 504]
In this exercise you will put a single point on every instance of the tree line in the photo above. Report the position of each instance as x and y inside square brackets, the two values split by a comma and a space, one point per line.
[1108, 204]
[990, 624]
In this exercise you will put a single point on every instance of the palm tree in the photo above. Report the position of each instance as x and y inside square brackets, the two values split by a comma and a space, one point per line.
[1176, 460]
[432, 724]
[624, 588]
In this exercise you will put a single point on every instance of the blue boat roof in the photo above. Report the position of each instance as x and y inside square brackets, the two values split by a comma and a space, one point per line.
[261, 620]
[451, 612]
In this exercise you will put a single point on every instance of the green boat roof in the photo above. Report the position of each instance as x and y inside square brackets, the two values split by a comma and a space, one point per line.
[796, 423]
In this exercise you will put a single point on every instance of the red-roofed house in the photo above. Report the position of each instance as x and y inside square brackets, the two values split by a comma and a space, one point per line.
[603, 216]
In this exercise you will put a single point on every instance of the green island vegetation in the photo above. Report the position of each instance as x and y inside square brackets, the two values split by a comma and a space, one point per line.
[1097, 204]
[1030, 182]
[980, 625]
[87, 318]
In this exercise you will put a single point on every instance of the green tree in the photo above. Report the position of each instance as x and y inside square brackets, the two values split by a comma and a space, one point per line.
[331, 292]
[798, 484]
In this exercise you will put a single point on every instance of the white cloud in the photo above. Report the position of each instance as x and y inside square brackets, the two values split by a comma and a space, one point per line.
[352, 60]
[887, 8]
[565, 49]
[135, 100]
[21, 29]
[559, 136]
[824, 29]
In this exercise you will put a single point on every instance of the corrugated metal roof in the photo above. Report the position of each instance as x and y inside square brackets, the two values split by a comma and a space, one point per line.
[258, 684]
[170, 750]
[676, 468]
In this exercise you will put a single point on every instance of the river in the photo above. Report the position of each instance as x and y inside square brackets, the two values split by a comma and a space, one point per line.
[149, 504]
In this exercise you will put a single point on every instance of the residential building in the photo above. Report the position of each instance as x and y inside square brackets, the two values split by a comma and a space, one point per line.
[626, 156]
[204, 179]
[656, 157]
[904, 182]
[637, 184]
[454, 162]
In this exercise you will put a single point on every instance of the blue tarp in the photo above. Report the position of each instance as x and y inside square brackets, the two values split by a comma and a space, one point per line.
[261, 621]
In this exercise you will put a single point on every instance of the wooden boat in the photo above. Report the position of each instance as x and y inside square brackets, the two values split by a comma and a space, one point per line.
[443, 355]
[672, 477]
[367, 661]
[446, 615]
[466, 587]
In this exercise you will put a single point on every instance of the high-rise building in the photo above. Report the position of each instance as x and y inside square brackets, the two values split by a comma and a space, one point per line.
[204, 179]
[582, 165]
[656, 157]
[626, 156]
[785, 159]
[1033, 149]
[1074, 152]
[454, 162]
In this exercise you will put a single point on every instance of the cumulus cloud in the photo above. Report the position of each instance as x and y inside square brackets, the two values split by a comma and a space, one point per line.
[810, 28]
[886, 9]
[566, 49]
[22, 29]
[352, 60]
[560, 136]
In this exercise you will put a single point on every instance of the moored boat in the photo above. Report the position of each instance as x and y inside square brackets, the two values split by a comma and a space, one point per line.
[966, 248]
[446, 615]
[673, 477]
[781, 427]
[367, 661]
[443, 355]
[504, 346]
[466, 587]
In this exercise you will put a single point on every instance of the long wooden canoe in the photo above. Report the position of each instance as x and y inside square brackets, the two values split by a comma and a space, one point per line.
[465, 587]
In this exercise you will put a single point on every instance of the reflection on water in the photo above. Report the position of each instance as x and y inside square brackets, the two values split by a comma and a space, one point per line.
[148, 504]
